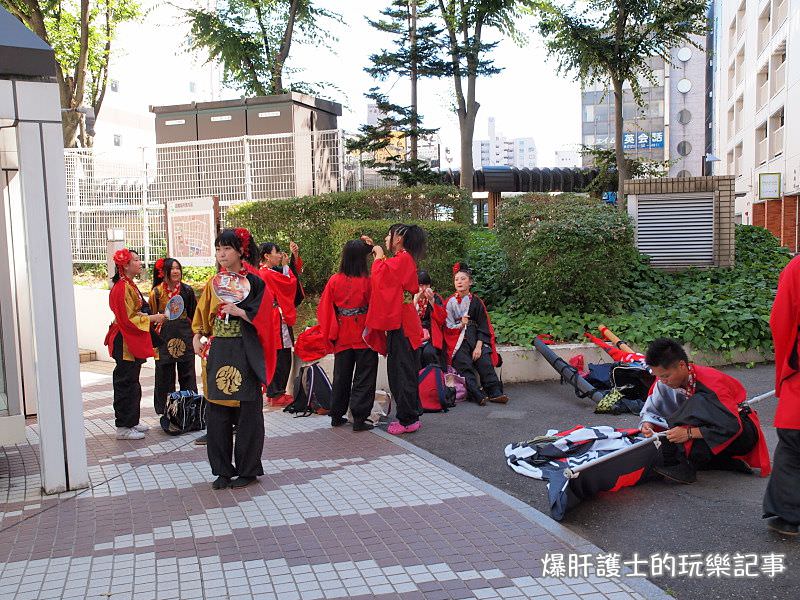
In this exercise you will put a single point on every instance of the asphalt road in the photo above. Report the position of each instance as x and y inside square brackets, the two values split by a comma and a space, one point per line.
[721, 513]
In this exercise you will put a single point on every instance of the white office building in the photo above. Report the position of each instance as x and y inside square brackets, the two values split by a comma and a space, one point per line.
[502, 151]
[754, 76]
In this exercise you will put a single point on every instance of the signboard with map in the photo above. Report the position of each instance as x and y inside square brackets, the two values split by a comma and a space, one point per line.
[191, 229]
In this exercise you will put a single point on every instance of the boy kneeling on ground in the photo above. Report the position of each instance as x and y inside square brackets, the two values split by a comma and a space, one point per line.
[708, 424]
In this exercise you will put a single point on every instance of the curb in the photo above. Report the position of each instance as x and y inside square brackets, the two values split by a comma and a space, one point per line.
[642, 585]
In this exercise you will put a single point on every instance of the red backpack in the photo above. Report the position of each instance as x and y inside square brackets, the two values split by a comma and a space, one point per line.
[434, 395]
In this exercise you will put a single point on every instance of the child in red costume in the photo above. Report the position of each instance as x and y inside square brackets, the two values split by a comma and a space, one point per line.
[342, 315]
[393, 325]
[129, 343]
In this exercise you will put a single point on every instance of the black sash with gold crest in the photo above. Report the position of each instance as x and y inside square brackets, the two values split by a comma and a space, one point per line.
[177, 337]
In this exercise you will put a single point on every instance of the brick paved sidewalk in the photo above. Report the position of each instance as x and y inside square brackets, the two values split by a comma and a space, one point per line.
[337, 514]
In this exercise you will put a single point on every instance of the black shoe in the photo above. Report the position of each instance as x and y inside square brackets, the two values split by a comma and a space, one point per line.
[737, 466]
[682, 473]
[241, 482]
[338, 421]
[221, 482]
[783, 527]
[364, 425]
[202, 440]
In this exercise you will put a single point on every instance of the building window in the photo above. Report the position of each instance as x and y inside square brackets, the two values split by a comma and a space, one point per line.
[684, 148]
[114, 85]
[117, 139]
[684, 117]
[192, 87]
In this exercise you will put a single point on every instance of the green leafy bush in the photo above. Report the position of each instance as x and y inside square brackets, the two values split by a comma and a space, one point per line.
[569, 251]
[447, 243]
[308, 220]
[722, 309]
[489, 263]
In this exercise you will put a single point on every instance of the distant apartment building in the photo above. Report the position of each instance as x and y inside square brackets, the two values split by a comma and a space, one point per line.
[150, 66]
[502, 151]
[671, 124]
[757, 69]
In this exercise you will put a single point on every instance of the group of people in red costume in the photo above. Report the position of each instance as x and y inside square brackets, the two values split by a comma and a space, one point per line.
[387, 308]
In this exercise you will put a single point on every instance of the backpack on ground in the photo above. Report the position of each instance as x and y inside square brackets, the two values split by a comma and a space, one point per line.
[313, 392]
[184, 411]
[453, 380]
[434, 395]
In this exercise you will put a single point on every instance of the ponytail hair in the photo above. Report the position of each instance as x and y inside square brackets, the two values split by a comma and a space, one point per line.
[414, 239]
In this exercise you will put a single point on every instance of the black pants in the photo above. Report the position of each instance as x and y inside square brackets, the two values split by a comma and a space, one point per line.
[354, 374]
[283, 368]
[249, 421]
[702, 458]
[127, 389]
[471, 370]
[782, 498]
[402, 367]
[165, 381]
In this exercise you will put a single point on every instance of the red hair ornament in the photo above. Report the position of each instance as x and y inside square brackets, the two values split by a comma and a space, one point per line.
[160, 268]
[122, 257]
[244, 238]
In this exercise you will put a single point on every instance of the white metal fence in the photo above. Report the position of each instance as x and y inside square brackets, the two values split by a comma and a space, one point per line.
[129, 191]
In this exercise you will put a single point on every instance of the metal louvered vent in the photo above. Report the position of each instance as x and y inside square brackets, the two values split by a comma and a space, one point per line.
[676, 231]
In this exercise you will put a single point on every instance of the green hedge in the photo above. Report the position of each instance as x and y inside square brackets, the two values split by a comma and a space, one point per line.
[308, 220]
[722, 309]
[569, 252]
[447, 243]
[490, 265]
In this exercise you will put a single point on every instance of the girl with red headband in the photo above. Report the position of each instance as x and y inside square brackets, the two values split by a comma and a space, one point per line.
[240, 358]
[393, 325]
[129, 343]
[469, 337]
[175, 350]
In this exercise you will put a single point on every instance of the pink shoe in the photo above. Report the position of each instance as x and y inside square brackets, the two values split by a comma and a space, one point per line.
[396, 428]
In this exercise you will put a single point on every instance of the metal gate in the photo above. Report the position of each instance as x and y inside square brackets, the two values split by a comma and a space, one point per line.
[676, 230]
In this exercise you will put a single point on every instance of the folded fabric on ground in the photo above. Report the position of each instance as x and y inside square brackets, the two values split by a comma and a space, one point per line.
[583, 461]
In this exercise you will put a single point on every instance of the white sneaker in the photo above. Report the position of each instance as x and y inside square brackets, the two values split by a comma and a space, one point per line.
[129, 433]
[141, 427]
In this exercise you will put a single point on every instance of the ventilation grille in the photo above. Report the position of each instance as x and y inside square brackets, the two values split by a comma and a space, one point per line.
[676, 231]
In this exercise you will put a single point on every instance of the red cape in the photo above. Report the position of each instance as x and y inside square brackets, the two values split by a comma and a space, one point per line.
[731, 394]
[387, 310]
[343, 332]
[284, 289]
[265, 325]
[139, 342]
[784, 321]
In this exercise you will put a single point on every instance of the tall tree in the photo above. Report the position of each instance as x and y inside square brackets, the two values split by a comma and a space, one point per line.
[614, 41]
[416, 52]
[384, 143]
[252, 40]
[466, 23]
[82, 33]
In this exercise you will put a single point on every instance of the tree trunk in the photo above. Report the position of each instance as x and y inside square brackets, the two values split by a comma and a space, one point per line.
[619, 150]
[466, 127]
[412, 30]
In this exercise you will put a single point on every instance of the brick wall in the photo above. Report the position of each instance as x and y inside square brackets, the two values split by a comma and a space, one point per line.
[723, 189]
[780, 218]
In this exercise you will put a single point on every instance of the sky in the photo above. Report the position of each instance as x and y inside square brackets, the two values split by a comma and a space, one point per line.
[527, 99]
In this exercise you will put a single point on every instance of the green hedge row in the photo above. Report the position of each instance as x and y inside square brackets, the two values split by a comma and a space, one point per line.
[309, 220]
[568, 251]
[447, 243]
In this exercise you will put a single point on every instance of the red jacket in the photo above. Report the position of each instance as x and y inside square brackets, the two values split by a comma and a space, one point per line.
[388, 311]
[344, 332]
[126, 301]
[784, 321]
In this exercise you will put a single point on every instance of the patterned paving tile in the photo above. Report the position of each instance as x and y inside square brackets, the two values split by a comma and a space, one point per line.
[337, 514]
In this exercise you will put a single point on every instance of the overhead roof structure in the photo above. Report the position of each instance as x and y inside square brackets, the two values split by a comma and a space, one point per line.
[22, 53]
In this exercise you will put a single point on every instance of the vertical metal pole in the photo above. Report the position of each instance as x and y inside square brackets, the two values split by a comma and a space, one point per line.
[248, 181]
[145, 217]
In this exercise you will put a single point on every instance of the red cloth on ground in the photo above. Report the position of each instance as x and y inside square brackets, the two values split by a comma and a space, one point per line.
[344, 332]
[784, 321]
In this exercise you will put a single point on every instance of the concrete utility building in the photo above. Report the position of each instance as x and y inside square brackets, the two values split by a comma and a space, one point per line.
[39, 372]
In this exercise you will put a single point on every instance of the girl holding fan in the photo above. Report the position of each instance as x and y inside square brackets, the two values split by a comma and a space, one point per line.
[129, 343]
[234, 313]
[175, 299]
[393, 325]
